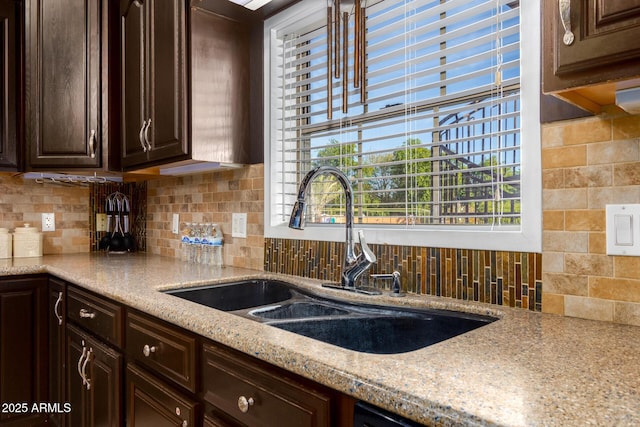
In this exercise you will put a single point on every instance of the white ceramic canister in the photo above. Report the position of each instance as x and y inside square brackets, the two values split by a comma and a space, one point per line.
[27, 242]
[6, 243]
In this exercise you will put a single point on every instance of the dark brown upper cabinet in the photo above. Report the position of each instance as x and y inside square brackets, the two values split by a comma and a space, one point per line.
[154, 81]
[67, 87]
[591, 48]
[10, 61]
[188, 70]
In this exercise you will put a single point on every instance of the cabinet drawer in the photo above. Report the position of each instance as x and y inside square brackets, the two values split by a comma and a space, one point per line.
[165, 349]
[252, 394]
[96, 314]
[151, 403]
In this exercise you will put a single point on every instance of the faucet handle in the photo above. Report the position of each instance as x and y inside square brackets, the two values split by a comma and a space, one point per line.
[364, 248]
[396, 289]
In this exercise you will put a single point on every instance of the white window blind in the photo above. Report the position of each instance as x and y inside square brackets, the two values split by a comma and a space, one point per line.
[438, 141]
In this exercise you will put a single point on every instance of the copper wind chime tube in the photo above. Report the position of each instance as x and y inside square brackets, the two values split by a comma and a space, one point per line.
[338, 51]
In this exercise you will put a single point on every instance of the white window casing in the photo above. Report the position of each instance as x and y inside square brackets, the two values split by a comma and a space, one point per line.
[295, 35]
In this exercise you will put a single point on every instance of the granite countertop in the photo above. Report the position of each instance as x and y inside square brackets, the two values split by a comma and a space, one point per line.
[526, 369]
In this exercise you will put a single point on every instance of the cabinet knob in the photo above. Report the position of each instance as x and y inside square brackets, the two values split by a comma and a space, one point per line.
[146, 350]
[86, 314]
[244, 404]
[565, 17]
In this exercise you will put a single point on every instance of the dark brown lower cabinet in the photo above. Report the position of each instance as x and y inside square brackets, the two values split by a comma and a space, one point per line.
[23, 349]
[152, 403]
[255, 396]
[93, 381]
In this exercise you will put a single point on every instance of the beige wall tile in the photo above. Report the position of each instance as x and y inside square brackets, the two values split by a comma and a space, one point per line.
[551, 135]
[585, 220]
[588, 308]
[552, 303]
[588, 176]
[626, 173]
[613, 152]
[552, 262]
[553, 220]
[598, 198]
[627, 266]
[563, 157]
[586, 131]
[566, 284]
[614, 289]
[626, 127]
[627, 313]
[567, 242]
[597, 243]
[565, 199]
[553, 179]
[588, 264]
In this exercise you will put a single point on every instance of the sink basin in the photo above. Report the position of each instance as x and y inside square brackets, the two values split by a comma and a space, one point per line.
[237, 295]
[383, 335]
[297, 310]
[363, 328]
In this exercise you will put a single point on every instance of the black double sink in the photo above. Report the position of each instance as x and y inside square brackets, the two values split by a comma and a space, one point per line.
[364, 328]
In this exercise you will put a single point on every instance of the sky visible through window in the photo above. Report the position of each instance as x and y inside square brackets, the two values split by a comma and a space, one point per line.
[437, 141]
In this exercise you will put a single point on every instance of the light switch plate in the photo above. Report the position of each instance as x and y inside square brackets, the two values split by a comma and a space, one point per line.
[175, 224]
[239, 225]
[623, 229]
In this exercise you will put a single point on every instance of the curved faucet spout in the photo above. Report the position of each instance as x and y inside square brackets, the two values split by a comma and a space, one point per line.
[353, 265]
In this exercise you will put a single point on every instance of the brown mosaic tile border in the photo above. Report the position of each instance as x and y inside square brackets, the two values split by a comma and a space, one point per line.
[512, 279]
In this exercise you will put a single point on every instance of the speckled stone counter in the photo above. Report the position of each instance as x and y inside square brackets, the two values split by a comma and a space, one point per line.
[527, 369]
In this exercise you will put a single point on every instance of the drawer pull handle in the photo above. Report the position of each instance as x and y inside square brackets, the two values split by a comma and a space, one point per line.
[82, 356]
[565, 18]
[146, 350]
[86, 314]
[141, 136]
[56, 308]
[86, 380]
[244, 404]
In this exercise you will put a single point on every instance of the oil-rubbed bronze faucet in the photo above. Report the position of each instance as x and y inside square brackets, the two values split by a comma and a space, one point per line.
[353, 266]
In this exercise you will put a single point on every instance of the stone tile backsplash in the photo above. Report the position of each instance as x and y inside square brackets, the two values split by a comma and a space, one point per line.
[586, 164]
[24, 201]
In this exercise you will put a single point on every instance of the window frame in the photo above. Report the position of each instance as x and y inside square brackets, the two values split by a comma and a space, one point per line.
[526, 237]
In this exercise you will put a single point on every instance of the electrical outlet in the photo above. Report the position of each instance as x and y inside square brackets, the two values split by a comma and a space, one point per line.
[175, 225]
[48, 222]
[101, 222]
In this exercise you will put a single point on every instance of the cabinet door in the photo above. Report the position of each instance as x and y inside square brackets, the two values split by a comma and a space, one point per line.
[10, 16]
[57, 362]
[23, 347]
[94, 381]
[602, 46]
[154, 86]
[133, 110]
[63, 89]
[151, 403]
[167, 85]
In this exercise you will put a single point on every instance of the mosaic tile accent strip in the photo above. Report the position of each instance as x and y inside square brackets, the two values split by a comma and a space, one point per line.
[137, 194]
[512, 279]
